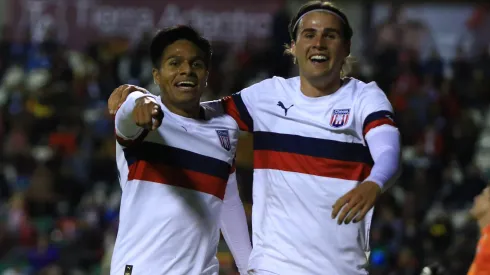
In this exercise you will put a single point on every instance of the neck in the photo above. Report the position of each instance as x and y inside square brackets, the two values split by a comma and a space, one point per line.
[484, 222]
[321, 87]
[191, 111]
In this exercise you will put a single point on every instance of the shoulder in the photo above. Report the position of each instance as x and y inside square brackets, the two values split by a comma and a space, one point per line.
[215, 116]
[272, 84]
[365, 90]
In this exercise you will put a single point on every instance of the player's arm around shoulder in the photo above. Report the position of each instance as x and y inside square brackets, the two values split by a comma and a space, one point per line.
[241, 106]
[137, 115]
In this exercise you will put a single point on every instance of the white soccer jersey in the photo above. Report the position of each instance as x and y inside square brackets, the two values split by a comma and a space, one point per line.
[308, 152]
[173, 182]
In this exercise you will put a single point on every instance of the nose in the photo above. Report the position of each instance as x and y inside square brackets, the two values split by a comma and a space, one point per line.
[319, 42]
[185, 68]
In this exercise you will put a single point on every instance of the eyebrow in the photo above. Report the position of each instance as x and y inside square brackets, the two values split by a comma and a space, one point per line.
[197, 57]
[327, 30]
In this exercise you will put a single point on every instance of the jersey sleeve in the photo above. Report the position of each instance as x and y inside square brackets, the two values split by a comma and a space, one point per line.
[233, 224]
[374, 109]
[127, 132]
[384, 146]
[241, 105]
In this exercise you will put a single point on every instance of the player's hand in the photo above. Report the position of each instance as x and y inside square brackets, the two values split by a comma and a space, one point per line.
[147, 113]
[119, 95]
[356, 203]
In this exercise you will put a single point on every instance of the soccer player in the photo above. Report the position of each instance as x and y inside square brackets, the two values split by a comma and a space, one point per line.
[481, 213]
[325, 147]
[176, 166]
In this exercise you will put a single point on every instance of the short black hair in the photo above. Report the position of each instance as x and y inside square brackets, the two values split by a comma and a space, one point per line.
[347, 31]
[168, 36]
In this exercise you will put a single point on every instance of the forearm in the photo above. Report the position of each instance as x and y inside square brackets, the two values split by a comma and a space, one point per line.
[233, 223]
[125, 126]
[384, 145]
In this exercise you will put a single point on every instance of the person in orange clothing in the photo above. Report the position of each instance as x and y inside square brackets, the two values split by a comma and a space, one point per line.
[481, 212]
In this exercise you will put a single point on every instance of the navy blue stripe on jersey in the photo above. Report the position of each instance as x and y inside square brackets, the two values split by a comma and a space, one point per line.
[242, 109]
[178, 158]
[376, 116]
[376, 119]
[314, 147]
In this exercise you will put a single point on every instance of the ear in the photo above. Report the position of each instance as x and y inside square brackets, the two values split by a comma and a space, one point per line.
[347, 47]
[156, 76]
[293, 48]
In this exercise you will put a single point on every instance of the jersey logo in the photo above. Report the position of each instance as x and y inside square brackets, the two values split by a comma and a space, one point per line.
[339, 117]
[224, 139]
[280, 104]
[128, 270]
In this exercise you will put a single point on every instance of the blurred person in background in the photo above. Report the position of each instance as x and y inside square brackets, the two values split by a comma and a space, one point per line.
[481, 213]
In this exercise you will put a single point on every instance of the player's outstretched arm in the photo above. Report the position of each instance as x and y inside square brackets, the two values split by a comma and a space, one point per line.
[135, 116]
[120, 94]
[233, 224]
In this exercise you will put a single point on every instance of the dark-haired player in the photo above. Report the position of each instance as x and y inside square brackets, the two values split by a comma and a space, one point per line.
[177, 173]
[325, 146]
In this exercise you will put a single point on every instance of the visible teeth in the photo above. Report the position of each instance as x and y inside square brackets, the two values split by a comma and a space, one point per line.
[318, 58]
[186, 83]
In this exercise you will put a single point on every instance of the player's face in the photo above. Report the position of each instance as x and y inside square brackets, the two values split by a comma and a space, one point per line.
[481, 204]
[320, 49]
[182, 74]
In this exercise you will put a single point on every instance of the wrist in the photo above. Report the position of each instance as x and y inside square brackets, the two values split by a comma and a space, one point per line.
[375, 183]
[144, 97]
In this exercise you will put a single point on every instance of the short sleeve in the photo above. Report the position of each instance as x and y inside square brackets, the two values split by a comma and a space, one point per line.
[240, 105]
[374, 108]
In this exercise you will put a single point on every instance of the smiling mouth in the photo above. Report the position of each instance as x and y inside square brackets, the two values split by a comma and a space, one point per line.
[186, 85]
[319, 58]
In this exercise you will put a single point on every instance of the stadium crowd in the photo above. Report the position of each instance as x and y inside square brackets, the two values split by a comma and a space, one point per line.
[59, 192]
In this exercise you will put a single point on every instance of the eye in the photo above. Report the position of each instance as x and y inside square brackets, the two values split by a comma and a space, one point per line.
[309, 35]
[173, 63]
[332, 35]
[198, 64]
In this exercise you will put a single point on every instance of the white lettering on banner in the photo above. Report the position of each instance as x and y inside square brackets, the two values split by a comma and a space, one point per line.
[35, 15]
[79, 18]
[122, 21]
[233, 26]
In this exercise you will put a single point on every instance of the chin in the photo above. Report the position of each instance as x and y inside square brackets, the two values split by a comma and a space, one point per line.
[188, 99]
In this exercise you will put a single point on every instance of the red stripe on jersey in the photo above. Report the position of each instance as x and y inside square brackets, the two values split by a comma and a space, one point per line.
[292, 162]
[376, 123]
[232, 110]
[161, 173]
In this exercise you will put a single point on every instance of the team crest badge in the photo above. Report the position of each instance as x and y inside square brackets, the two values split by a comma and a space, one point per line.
[224, 139]
[339, 117]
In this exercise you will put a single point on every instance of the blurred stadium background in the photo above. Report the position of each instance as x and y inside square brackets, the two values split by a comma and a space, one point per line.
[60, 60]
